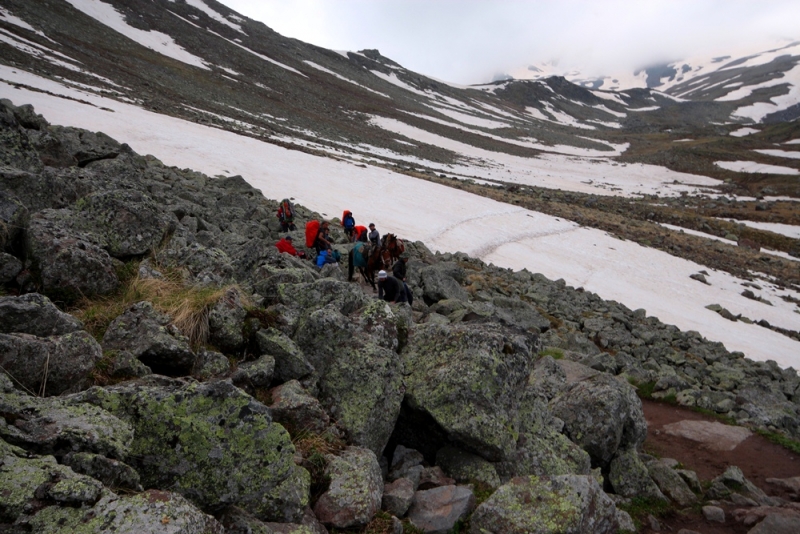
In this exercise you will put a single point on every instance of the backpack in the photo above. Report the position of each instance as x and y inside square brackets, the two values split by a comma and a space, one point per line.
[312, 229]
[286, 211]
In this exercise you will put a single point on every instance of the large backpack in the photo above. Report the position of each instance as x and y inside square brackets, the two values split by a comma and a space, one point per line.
[287, 210]
[312, 229]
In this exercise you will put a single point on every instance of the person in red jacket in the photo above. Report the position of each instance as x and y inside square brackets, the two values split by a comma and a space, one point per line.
[360, 233]
[285, 245]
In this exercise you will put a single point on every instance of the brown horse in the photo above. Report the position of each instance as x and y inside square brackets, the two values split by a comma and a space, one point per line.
[394, 245]
[377, 258]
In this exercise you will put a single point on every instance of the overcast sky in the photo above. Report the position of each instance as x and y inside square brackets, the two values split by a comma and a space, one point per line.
[472, 41]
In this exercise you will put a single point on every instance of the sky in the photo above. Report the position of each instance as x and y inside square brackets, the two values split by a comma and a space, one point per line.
[473, 41]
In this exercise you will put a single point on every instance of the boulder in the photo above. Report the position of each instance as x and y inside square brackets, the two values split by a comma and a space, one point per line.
[344, 297]
[226, 322]
[434, 477]
[296, 410]
[256, 374]
[290, 363]
[149, 336]
[777, 524]
[36, 315]
[50, 365]
[355, 491]
[520, 314]
[237, 521]
[112, 473]
[734, 481]
[10, 266]
[86, 146]
[437, 510]
[57, 426]
[467, 378]
[209, 364]
[68, 263]
[211, 442]
[629, 477]
[151, 511]
[397, 496]
[671, 483]
[565, 504]
[126, 222]
[466, 467]
[601, 414]
[442, 281]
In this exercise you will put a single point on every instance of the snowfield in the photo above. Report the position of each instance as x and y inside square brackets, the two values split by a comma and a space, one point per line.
[450, 220]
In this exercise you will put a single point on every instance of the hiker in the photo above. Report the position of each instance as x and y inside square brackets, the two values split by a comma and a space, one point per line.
[349, 223]
[360, 233]
[374, 236]
[285, 245]
[323, 239]
[327, 256]
[390, 288]
[399, 270]
[286, 215]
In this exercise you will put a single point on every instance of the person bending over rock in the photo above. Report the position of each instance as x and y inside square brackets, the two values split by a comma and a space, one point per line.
[285, 245]
[390, 288]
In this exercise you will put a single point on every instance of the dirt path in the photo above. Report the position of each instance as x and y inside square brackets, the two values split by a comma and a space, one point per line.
[758, 459]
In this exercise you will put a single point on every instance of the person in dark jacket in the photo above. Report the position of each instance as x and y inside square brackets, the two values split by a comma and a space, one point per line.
[390, 288]
[399, 270]
[374, 236]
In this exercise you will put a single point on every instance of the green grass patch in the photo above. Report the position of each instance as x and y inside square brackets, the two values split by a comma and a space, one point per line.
[779, 439]
[640, 507]
[556, 354]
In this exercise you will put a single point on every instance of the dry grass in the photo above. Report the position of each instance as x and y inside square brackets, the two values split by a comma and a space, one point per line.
[187, 306]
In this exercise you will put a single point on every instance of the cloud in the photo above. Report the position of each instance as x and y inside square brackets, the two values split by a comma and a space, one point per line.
[470, 41]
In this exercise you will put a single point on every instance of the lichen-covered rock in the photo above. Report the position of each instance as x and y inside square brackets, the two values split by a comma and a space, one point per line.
[86, 146]
[442, 281]
[518, 313]
[355, 491]
[10, 266]
[148, 334]
[601, 414]
[50, 365]
[36, 315]
[151, 511]
[344, 297]
[468, 379]
[734, 481]
[211, 442]
[112, 473]
[16, 149]
[237, 521]
[362, 390]
[290, 363]
[397, 496]
[296, 410]
[566, 504]
[210, 363]
[629, 477]
[670, 483]
[57, 426]
[123, 364]
[256, 374]
[69, 263]
[437, 510]
[25, 479]
[466, 467]
[226, 322]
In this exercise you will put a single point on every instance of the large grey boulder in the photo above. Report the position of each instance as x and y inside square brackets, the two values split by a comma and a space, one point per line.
[602, 415]
[355, 491]
[112, 473]
[10, 266]
[397, 496]
[86, 146]
[149, 336]
[50, 365]
[296, 410]
[226, 322]
[344, 297]
[35, 314]
[150, 511]
[290, 363]
[16, 149]
[468, 379]
[437, 510]
[442, 281]
[520, 314]
[466, 467]
[629, 476]
[671, 483]
[212, 443]
[68, 263]
[126, 222]
[58, 426]
[566, 504]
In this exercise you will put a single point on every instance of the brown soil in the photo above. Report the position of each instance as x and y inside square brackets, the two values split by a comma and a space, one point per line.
[758, 459]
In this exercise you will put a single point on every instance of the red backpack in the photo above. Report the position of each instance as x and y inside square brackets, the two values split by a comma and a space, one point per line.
[312, 229]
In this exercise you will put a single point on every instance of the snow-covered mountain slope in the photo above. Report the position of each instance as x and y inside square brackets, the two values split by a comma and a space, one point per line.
[766, 82]
[200, 86]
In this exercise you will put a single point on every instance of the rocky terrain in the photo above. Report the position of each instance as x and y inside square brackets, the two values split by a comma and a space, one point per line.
[167, 370]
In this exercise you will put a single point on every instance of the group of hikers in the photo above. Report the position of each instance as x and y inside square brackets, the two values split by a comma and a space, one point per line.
[392, 288]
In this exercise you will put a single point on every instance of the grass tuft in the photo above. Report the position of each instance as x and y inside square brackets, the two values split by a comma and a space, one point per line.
[556, 354]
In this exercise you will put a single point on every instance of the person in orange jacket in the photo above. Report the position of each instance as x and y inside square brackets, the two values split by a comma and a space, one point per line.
[285, 245]
[360, 233]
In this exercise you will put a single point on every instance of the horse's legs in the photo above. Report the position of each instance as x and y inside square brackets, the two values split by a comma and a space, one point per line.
[350, 266]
